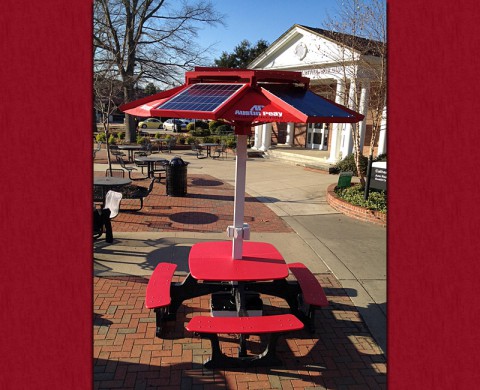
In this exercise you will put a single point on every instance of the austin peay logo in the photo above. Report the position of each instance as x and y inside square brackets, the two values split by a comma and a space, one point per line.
[256, 110]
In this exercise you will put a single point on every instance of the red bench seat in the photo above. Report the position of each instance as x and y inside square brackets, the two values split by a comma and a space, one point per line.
[210, 327]
[157, 296]
[312, 295]
[158, 288]
[245, 325]
[312, 290]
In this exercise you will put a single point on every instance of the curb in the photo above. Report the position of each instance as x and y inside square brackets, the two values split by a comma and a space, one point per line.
[356, 212]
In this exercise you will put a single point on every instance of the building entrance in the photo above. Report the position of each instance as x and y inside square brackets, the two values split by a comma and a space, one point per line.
[317, 136]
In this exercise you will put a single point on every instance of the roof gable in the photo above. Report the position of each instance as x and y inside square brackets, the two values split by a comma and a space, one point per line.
[302, 46]
[363, 45]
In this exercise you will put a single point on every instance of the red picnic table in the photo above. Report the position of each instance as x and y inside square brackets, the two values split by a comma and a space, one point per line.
[262, 270]
[212, 261]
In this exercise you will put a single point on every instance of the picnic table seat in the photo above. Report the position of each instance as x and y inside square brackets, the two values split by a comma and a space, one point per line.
[170, 144]
[133, 191]
[157, 296]
[273, 325]
[145, 151]
[115, 151]
[128, 169]
[312, 295]
[197, 149]
[114, 172]
[221, 150]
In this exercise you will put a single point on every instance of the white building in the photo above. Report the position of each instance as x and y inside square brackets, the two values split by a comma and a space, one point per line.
[335, 69]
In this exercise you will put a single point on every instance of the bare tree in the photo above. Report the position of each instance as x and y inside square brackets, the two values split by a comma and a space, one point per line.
[106, 89]
[360, 28]
[149, 40]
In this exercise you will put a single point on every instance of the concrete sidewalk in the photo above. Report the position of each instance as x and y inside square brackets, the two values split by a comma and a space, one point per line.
[326, 241]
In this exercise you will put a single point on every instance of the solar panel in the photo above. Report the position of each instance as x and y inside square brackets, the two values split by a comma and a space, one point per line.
[201, 97]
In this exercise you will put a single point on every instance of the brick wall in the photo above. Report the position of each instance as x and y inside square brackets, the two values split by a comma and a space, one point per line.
[356, 212]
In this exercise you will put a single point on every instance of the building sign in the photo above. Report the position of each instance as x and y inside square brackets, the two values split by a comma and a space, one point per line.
[256, 111]
[379, 176]
[319, 72]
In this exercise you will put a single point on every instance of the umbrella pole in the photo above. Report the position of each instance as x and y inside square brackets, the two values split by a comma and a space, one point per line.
[238, 232]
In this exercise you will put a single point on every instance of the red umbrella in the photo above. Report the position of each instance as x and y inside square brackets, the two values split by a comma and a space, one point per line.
[243, 98]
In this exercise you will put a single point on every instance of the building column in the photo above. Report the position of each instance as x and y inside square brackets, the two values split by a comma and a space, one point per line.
[290, 133]
[266, 137]
[347, 138]
[363, 109]
[336, 136]
[322, 138]
[382, 138]
[257, 137]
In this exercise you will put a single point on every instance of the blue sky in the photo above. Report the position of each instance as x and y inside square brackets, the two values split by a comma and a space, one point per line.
[261, 19]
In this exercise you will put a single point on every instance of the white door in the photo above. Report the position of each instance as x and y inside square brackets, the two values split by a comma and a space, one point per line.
[317, 136]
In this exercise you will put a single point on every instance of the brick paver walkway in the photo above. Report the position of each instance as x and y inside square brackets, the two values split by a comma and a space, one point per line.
[208, 207]
[127, 355]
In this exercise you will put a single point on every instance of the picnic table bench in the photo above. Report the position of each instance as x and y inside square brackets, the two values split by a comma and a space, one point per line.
[274, 326]
[134, 191]
[312, 295]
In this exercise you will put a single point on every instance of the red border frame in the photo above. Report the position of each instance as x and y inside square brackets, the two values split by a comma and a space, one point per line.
[46, 120]
[432, 251]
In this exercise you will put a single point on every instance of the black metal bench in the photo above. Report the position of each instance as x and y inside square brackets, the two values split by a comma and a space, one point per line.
[133, 191]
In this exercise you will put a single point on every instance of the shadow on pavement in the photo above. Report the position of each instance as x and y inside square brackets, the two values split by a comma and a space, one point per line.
[341, 352]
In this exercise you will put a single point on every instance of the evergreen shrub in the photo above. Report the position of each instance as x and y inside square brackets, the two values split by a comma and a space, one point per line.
[377, 200]
[348, 164]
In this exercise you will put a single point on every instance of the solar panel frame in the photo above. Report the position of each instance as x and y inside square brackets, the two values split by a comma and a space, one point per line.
[203, 97]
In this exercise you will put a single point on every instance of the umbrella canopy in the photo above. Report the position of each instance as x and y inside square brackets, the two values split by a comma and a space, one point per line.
[244, 98]
[252, 96]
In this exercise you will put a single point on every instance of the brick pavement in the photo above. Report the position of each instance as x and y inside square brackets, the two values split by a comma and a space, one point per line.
[208, 207]
[127, 355]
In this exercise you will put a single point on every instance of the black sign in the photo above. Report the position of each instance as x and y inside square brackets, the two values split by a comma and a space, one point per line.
[379, 178]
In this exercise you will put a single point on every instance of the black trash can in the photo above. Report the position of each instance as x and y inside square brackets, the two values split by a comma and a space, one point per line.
[176, 181]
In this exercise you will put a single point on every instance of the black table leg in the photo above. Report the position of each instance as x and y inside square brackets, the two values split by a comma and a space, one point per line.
[241, 306]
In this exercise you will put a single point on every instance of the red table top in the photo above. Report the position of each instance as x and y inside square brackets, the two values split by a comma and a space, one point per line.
[212, 261]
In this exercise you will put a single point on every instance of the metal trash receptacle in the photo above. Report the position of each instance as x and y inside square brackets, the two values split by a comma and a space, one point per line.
[176, 181]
